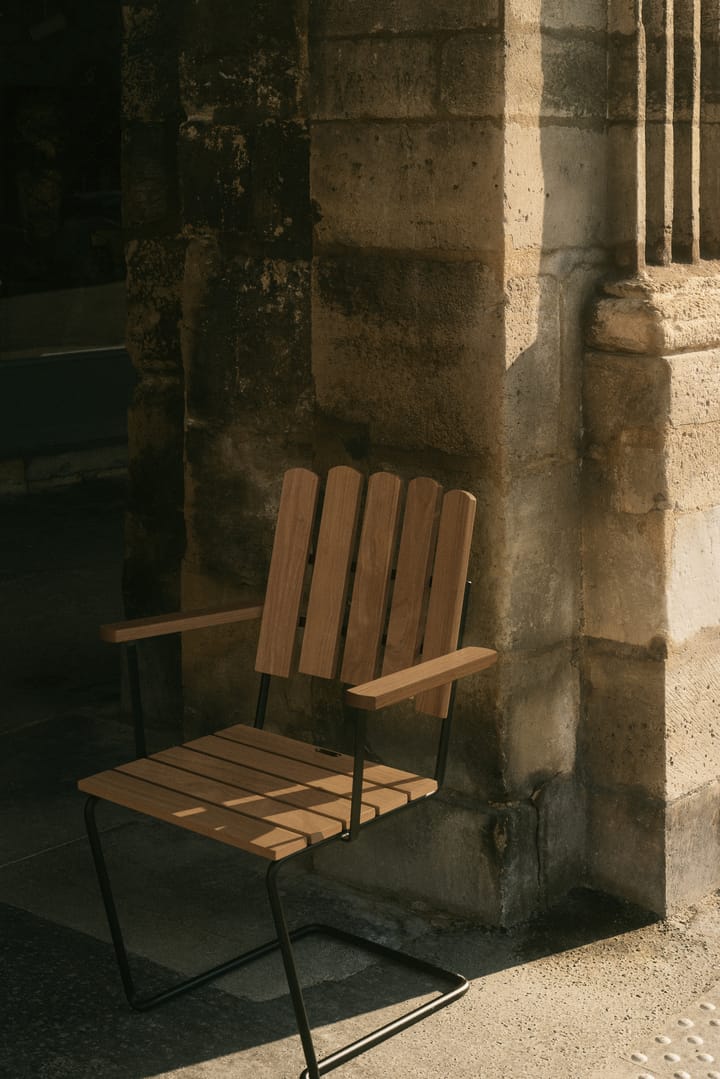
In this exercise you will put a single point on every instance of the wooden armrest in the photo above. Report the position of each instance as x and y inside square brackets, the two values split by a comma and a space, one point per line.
[392, 688]
[138, 628]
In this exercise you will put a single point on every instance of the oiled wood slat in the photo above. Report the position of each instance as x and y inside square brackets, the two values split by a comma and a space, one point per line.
[447, 591]
[269, 841]
[331, 572]
[418, 788]
[372, 578]
[311, 825]
[425, 676]
[295, 794]
[412, 577]
[330, 759]
[382, 798]
[293, 533]
[138, 629]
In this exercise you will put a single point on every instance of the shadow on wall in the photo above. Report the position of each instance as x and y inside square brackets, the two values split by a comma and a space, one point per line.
[555, 255]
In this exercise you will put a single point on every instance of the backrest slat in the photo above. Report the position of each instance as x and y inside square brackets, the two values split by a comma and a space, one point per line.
[331, 571]
[412, 577]
[288, 563]
[372, 579]
[447, 590]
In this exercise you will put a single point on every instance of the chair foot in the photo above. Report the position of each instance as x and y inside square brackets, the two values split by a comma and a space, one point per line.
[457, 986]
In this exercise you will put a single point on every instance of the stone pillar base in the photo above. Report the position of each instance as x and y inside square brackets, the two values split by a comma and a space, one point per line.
[650, 737]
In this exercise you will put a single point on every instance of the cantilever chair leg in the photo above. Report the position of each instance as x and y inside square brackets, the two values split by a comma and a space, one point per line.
[142, 1004]
[284, 942]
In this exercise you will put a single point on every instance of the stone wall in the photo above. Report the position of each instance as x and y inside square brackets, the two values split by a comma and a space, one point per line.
[650, 736]
[366, 234]
[371, 233]
[406, 167]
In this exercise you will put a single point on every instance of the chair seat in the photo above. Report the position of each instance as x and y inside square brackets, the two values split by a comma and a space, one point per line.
[256, 790]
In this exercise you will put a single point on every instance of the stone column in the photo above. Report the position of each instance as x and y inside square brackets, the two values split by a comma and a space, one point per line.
[651, 732]
[459, 160]
[407, 320]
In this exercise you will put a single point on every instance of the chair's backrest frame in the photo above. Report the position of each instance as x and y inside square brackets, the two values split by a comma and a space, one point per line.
[405, 585]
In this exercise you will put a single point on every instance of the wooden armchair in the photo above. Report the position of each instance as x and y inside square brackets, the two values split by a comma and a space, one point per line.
[396, 638]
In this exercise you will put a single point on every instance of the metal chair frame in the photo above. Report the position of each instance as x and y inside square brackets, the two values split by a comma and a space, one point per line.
[458, 985]
[443, 661]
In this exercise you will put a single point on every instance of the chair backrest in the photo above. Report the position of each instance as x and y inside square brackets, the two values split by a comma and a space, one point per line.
[405, 595]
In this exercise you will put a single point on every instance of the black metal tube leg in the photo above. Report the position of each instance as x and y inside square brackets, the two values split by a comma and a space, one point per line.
[109, 902]
[313, 1071]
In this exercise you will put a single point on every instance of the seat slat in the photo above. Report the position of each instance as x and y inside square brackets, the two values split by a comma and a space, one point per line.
[447, 591]
[330, 759]
[382, 798]
[261, 783]
[414, 566]
[418, 787]
[372, 579]
[311, 825]
[257, 837]
[331, 573]
[288, 563]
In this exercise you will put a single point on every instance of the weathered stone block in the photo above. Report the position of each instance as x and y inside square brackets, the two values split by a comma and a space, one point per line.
[246, 338]
[621, 736]
[575, 82]
[666, 311]
[539, 590]
[233, 480]
[633, 868]
[412, 186]
[479, 860]
[280, 170]
[558, 14]
[709, 172]
[693, 466]
[149, 83]
[554, 76]
[692, 735]
[149, 174]
[471, 75]
[215, 177]
[540, 395]
[693, 582]
[247, 62]
[693, 846]
[622, 393]
[561, 838]
[335, 17]
[576, 14]
[264, 81]
[555, 186]
[474, 764]
[635, 468]
[155, 270]
[155, 434]
[695, 387]
[373, 78]
[538, 698]
[218, 665]
[254, 182]
[380, 324]
[624, 574]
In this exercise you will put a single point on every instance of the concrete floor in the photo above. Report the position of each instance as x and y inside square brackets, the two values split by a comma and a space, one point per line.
[574, 994]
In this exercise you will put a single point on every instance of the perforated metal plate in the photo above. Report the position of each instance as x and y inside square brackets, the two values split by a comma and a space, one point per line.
[688, 1048]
